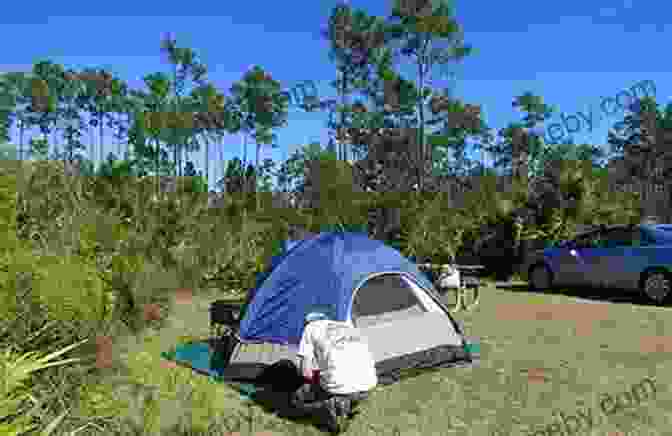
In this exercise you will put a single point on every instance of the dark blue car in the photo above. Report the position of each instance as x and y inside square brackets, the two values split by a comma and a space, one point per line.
[629, 257]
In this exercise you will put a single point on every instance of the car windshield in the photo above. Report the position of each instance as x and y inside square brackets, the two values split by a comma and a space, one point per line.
[662, 233]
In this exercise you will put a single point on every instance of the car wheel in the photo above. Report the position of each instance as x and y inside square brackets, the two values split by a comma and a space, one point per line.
[540, 278]
[656, 285]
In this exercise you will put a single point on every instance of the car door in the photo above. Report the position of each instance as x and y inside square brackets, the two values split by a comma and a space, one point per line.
[627, 257]
[616, 263]
[568, 261]
[586, 254]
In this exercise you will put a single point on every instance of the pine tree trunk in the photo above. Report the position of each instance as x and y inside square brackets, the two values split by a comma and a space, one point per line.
[118, 140]
[221, 159]
[256, 164]
[344, 102]
[100, 127]
[157, 167]
[256, 173]
[421, 131]
[244, 165]
[20, 139]
[207, 164]
[92, 138]
[175, 160]
[244, 149]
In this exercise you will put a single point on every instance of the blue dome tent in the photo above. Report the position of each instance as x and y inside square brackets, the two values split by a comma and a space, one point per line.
[358, 280]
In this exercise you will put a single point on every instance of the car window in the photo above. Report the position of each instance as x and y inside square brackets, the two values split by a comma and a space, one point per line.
[622, 237]
[588, 240]
[647, 238]
[660, 236]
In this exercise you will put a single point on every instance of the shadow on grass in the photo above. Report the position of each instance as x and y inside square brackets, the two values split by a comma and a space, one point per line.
[274, 400]
[278, 403]
[611, 295]
[234, 301]
[272, 389]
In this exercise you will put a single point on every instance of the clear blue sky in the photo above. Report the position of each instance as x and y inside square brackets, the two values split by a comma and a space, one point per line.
[572, 53]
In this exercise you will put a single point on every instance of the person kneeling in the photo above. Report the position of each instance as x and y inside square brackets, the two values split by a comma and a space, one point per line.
[338, 367]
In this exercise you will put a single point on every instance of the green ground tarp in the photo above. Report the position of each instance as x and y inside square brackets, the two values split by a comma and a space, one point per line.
[200, 357]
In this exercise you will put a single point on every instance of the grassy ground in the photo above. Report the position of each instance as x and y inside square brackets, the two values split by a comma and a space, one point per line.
[543, 357]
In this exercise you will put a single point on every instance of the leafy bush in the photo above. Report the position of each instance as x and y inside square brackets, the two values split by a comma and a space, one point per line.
[72, 292]
[332, 196]
[568, 194]
[572, 193]
[196, 185]
[432, 229]
[8, 203]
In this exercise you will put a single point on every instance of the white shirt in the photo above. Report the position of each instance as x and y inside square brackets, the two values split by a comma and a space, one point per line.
[341, 354]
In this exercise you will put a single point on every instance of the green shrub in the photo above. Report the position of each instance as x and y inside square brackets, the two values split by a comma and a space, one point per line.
[72, 293]
[8, 204]
[432, 231]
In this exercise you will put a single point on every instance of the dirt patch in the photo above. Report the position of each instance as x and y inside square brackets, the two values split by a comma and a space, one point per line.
[151, 312]
[583, 315]
[104, 352]
[656, 344]
[184, 296]
[536, 375]
[546, 311]
[168, 364]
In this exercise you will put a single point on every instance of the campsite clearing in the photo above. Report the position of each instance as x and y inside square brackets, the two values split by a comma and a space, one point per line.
[540, 354]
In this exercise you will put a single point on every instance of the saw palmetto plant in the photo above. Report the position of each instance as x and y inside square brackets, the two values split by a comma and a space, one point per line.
[18, 405]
